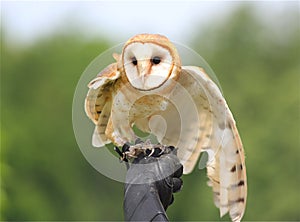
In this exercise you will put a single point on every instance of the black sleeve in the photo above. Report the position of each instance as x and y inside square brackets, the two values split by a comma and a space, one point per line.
[150, 184]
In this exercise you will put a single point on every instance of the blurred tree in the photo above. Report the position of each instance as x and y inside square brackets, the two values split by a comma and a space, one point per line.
[45, 177]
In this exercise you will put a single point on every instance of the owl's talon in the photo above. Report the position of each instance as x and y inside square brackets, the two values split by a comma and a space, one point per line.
[118, 151]
[125, 147]
[123, 156]
[148, 152]
[161, 152]
[152, 152]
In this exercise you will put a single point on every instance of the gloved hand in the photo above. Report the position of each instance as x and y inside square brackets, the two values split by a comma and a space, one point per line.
[150, 184]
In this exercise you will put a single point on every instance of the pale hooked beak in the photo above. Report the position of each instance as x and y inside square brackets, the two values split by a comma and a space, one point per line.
[144, 68]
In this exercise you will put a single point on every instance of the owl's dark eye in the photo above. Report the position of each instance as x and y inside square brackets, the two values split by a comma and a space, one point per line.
[134, 61]
[155, 60]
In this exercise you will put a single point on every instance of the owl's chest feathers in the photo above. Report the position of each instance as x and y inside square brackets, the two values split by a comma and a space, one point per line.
[138, 104]
[148, 105]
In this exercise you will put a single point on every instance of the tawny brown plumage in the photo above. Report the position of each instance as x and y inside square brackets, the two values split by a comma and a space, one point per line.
[180, 105]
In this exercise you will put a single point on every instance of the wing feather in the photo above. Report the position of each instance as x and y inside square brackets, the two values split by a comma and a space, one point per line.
[226, 166]
[198, 119]
[98, 102]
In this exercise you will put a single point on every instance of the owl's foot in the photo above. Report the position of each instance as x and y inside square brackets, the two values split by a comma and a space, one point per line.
[123, 152]
[142, 149]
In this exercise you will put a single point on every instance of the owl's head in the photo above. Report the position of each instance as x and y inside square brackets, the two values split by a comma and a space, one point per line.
[149, 61]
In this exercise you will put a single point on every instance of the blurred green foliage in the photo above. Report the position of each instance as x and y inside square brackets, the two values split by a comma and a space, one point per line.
[45, 177]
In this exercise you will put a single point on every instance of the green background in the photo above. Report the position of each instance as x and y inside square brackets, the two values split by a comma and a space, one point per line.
[44, 176]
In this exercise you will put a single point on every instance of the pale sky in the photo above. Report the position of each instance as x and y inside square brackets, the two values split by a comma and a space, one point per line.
[25, 21]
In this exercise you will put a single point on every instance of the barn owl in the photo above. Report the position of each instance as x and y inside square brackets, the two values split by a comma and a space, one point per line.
[180, 105]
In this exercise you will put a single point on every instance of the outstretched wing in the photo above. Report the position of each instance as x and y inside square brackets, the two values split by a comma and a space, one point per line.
[226, 166]
[198, 120]
[98, 102]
